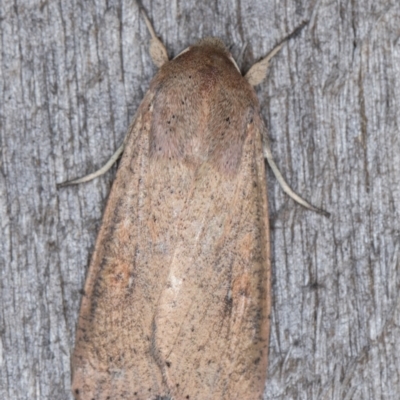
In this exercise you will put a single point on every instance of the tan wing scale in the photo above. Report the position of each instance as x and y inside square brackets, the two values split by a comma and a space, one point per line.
[177, 296]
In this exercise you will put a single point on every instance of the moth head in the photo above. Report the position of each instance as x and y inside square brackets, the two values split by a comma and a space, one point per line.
[212, 42]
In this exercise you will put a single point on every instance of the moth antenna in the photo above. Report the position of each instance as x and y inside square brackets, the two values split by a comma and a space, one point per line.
[284, 185]
[258, 71]
[97, 173]
[158, 52]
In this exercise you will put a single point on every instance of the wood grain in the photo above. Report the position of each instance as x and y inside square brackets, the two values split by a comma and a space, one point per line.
[73, 75]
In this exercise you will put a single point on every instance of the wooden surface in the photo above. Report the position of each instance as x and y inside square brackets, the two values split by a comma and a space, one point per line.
[72, 76]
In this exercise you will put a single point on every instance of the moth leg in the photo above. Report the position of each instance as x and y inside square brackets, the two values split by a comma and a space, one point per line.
[158, 52]
[285, 187]
[99, 172]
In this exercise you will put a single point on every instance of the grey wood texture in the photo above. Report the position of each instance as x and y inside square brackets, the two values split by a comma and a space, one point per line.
[72, 75]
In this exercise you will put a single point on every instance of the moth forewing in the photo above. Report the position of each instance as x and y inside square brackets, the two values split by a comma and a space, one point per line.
[177, 296]
[178, 293]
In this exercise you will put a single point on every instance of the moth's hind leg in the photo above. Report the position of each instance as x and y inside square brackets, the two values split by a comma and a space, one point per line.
[99, 172]
[284, 185]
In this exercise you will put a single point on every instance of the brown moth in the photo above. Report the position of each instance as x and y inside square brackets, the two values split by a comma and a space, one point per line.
[178, 294]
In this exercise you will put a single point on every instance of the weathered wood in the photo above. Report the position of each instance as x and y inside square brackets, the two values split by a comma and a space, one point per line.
[73, 74]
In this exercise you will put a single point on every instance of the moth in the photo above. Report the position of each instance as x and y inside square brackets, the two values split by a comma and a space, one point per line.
[177, 299]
